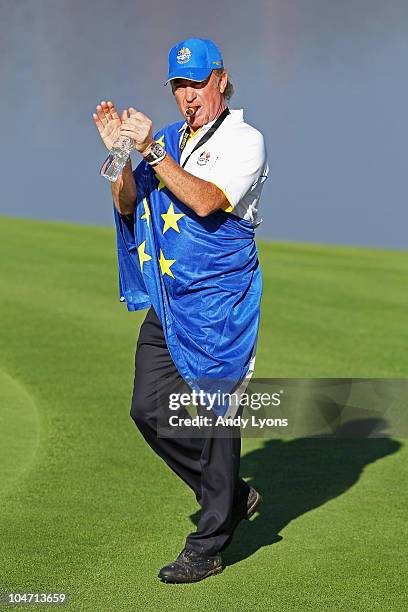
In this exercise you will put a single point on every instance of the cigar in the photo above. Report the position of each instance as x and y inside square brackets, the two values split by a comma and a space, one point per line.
[190, 112]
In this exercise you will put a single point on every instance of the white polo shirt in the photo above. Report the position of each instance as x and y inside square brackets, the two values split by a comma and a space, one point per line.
[234, 159]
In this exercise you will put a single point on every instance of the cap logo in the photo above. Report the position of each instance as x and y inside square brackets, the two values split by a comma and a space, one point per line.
[184, 55]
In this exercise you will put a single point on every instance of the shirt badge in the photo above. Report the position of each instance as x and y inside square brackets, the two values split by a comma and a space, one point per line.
[203, 158]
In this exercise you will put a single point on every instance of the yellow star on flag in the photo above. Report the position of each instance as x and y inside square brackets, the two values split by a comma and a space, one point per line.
[171, 218]
[146, 214]
[160, 141]
[143, 256]
[165, 265]
[161, 182]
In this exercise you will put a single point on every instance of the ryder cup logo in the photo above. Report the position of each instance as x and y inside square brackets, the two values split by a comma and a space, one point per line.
[204, 158]
[183, 56]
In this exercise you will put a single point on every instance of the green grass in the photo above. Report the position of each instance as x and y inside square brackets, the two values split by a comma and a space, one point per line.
[87, 508]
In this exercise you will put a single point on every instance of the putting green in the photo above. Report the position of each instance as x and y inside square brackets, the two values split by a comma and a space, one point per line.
[90, 510]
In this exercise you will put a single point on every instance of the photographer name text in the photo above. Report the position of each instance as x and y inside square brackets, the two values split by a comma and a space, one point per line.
[208, 421]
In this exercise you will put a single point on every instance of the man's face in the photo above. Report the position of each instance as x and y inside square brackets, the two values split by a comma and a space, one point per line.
[204, 96]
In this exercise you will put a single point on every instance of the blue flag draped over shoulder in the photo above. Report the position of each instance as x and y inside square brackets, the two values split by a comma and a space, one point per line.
[200, 274]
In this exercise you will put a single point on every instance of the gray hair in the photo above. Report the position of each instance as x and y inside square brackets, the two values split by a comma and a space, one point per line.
[229, 90]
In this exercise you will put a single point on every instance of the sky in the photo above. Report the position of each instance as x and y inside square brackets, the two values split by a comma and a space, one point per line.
[325, 81]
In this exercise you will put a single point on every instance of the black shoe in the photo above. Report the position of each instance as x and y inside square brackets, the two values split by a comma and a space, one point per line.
[191, 566]
[254, 500]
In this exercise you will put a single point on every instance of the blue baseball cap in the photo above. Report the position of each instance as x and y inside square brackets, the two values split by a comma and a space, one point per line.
[193, 59]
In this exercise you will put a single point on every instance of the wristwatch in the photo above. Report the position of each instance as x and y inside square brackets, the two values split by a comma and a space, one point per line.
[155, 154]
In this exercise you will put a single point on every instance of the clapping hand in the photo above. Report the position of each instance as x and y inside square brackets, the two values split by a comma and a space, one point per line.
[108, 122]
[138, 127]
[132, 124]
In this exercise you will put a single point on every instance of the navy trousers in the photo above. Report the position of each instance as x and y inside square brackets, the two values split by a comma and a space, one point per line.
[209, 465]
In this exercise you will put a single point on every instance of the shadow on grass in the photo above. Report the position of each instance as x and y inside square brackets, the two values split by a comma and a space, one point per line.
[296, 476]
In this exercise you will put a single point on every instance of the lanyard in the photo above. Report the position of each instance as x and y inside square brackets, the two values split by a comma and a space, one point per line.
[204, 139]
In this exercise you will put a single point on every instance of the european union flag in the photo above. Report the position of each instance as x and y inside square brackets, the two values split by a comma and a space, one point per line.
[202, 277]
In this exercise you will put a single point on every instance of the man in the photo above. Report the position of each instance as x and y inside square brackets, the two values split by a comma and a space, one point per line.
[185, 222]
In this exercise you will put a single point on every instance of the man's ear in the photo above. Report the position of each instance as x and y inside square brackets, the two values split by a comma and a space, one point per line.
[223, 82]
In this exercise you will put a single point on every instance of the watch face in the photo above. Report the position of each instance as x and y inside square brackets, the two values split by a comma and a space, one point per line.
[157, 150]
